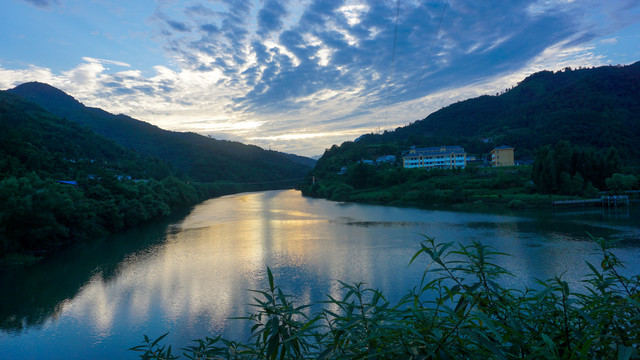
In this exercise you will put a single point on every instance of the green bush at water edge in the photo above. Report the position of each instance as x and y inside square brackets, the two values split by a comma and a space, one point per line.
[464, 312]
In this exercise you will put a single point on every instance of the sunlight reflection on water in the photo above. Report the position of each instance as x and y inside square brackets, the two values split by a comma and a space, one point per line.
[196, 273]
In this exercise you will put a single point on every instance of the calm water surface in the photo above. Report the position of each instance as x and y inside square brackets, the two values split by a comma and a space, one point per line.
[189, 275]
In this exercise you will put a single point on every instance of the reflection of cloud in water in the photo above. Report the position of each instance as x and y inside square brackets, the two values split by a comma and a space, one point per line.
[200, 274]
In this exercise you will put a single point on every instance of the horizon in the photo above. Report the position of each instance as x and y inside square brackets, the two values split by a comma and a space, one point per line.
[301, 77]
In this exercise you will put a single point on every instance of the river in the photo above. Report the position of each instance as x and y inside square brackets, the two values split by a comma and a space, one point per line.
[188, 275]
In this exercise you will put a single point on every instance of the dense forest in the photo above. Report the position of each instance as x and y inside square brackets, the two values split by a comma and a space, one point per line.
[597, 108]
[61, 182]
[574, 170]
[200, 157]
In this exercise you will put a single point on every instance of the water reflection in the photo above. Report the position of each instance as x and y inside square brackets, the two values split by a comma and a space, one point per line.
[188, 277]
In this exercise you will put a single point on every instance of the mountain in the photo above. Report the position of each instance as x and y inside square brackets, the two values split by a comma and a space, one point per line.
[200, 157]
[34, 140]
[60, 182]
[597, 107]
[306, 161]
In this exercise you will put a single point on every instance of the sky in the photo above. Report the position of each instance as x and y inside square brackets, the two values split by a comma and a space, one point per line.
[301, 75]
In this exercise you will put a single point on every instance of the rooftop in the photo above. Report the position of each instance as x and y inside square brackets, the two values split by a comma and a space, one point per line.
[436, 150]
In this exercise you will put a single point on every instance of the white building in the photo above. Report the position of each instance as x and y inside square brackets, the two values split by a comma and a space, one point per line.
[444, 157]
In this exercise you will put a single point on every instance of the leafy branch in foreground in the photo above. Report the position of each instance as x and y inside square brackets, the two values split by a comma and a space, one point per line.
[460, 309]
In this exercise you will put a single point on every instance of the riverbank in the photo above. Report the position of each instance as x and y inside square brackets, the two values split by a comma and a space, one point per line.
[40, 217]
[474, 189]
[190, 274]
[470, 189]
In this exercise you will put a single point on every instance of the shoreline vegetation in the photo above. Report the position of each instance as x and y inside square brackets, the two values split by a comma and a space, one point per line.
[577, 125]
[458, 310]
[477, 189]
[43, 216]
[62, 183]
[561, 172]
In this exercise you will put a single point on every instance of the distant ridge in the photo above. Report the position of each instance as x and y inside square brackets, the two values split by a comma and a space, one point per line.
[596, 107]
[202, 158]
[61, 182]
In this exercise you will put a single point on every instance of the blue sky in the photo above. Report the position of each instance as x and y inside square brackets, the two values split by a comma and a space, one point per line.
[300, 76]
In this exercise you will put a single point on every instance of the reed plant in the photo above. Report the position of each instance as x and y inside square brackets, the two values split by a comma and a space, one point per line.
[460, 310]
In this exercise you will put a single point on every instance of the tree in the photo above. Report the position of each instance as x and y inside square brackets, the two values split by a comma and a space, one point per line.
[613, 162]
[360, 175]
[567, 168]
[544, 170]
[619, 182]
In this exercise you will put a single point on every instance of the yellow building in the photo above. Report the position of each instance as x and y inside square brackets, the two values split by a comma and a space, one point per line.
[502, 156]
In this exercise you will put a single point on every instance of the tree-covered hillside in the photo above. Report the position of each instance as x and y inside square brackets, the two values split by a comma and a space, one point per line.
[580, 126]
[34, 140]
[61, 182]
[202, 158]
[598, 107]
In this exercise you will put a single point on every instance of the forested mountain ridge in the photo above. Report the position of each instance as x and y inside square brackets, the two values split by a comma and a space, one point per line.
[34, 140]
[597, 107]
[61, 182]
[202, 158]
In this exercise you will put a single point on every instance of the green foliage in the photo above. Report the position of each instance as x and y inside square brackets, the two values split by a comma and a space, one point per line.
[394, 185]
[39, 213]
[106, 187]
[460, 309]
[151, 350]
[517, 204]
[595, 108]
[360, 176]
[199, 157]
[573, 170]
[619, 182]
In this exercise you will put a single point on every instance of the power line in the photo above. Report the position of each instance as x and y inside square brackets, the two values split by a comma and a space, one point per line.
[433, 42]
[393, 59]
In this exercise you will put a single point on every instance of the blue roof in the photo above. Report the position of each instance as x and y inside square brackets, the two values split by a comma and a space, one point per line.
[436, 151]
[67, 182]
[503, 147]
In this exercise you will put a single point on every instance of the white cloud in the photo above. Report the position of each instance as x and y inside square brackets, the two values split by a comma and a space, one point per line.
[543, 6]
[219, 84]
[13, 77]
[324, 56]
[353, 12]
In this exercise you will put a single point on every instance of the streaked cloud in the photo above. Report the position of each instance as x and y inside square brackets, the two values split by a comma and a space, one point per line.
[42, 3]
[609, 41]
[300, 75]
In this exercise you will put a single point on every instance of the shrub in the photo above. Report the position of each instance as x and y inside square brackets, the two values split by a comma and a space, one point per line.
[517, 204]
[464, 311]
[619, 182]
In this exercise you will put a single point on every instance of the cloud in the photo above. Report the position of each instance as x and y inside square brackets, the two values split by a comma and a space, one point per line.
[270, 17]
[609, 41]
[44, 4]
[295, 72]
[336, 46]
[178, 26]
